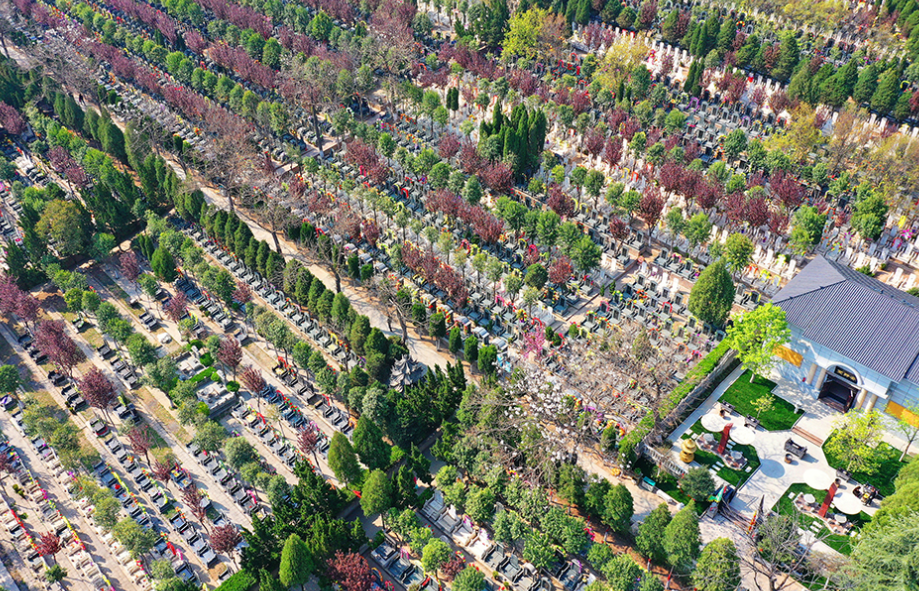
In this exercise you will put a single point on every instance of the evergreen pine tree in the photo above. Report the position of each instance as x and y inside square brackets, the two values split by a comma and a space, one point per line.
[369, 444]
[887, 92]
[866, 84]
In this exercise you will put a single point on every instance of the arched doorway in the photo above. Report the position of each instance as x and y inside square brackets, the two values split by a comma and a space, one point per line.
[840, 388]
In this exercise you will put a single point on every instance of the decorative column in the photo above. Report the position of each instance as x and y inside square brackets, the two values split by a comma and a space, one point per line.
[725, 434]
[818, 383]
[871, 401]
[811, 373]
[860, 399]
[828, 499]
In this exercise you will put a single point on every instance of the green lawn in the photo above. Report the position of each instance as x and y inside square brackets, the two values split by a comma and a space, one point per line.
[742, 393]
[888, 467]
[207, 372]
[840, 543]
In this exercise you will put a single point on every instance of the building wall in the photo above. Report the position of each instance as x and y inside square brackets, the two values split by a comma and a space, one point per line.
[811, 353]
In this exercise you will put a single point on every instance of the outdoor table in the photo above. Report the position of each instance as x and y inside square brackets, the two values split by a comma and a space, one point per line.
[742, 435]
[818, 479]
[840, 518]
[848, 504]
[713, 421]
[809, 499]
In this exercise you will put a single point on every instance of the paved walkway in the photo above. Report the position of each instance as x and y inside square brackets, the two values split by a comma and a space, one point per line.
[705, 406]
[6, 579]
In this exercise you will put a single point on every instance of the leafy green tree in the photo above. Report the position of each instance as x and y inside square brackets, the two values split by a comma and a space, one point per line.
[68, 225]
[571, 483]
[297, 563]
[480, 504]
[537, 550]
[436, 553]
[621, 573]
[756, 334]
[376, 494]
[808, 228]
[869, 215]
[855, 439]
[239, 452]
[718, 567]
[469, 579]
[735, 143]
[887, 92]
[136, 539]
[698, 229]
[682, 539]
[738, 251]
[650, 539]
[883, 557]
[74, 299]
[342, 459]
[437, 327]
[698, 484]
[712, 296]
[618, 508]
[472, 190]
[210, 436]
[164, 265]
[456, 340]
[867, 84]
[9, 378]
[142, 352]
[55, 573]
[471, 349]
[369, 444]
[536, 276]
[488, 359]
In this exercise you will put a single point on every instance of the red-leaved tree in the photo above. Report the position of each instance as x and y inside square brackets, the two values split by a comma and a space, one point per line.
[129, 265]
[230, 354]
[141, 440]
[162, 471]
[52, 340]
[560, 270]
[252, 379]
[97, 389]
[177, 306]
[350, 570]
[49, 544]
[225, 538]
[308, 440]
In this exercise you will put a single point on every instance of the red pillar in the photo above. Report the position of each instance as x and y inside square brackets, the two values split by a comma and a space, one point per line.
[828, 499]
[725, 433]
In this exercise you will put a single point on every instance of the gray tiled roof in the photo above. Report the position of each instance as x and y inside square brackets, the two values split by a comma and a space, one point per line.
[855, 315]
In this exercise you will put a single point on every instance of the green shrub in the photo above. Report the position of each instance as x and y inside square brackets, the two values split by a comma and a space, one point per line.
[241, 580]
[207, 360]
[232, 386]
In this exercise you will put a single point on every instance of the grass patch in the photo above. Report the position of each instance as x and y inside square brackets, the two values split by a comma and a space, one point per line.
[888, 466]
[742, 393]
[93, 337]
[665, 482]
[204, 374]
[841, 543]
